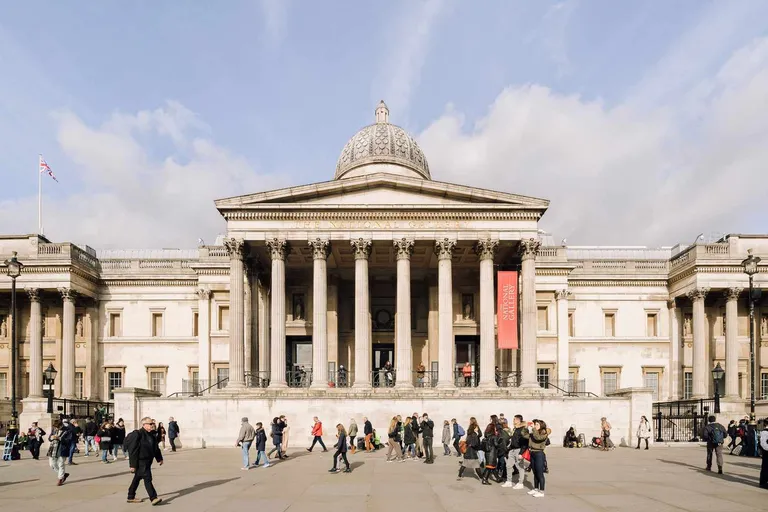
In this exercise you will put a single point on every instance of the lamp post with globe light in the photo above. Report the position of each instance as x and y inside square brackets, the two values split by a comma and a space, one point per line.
[14, 267]
[718, 374]
[50, 377]
[750, 268]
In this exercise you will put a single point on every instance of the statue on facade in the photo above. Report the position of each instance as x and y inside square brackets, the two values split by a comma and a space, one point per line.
[467, 307]
[298, 307]
[4, 328]
[79, 327]
[687, 331]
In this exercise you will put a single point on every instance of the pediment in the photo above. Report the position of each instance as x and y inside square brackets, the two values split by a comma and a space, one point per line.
[382, 189]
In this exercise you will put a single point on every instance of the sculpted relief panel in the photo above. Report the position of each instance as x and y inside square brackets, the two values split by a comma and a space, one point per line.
[378, 224]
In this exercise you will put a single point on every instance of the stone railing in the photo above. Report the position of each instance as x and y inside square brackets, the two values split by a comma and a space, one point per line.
[50, 249]
[116, 264]
[717, 249]
[84, 257]
[155, 264]
[548, 252]
[620, 266]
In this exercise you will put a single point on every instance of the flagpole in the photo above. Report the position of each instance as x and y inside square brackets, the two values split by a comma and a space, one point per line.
[39, 195]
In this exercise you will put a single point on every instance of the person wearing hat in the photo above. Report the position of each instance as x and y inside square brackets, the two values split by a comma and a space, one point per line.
[245, 439]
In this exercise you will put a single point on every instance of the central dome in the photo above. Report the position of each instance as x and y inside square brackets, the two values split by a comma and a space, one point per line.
[382, 147]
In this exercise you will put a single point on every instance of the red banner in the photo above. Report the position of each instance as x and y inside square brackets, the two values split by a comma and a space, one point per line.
[506, 309]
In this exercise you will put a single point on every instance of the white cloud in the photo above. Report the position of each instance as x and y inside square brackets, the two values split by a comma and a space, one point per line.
[401, 70]
[134, 192]
[624, 174]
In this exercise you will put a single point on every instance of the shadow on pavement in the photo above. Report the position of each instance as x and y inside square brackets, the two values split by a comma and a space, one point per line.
[3, 484]
[197, 487]
[355, 465]
[110, 475]
[727, 477]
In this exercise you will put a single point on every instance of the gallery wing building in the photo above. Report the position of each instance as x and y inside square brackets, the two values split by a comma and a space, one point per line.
[383, 282]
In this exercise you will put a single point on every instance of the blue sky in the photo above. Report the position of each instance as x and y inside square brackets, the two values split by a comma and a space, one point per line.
[631, 117]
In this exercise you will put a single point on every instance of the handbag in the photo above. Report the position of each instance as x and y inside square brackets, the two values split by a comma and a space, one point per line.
[97, 439]
[463, 446]
[526, 455]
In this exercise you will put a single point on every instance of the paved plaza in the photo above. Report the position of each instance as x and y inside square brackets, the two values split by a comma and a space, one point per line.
[658, 480]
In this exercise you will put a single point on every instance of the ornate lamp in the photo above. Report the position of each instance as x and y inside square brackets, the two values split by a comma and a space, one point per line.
[718, 374]
[750, 268]
[50, 376]
[14, 267]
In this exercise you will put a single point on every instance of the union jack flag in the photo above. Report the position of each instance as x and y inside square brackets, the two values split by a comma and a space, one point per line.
[44, 167]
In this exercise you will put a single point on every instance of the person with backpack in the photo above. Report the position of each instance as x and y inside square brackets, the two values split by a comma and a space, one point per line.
[142, 448]
[458, 433]
[764, 448]
[714, 435]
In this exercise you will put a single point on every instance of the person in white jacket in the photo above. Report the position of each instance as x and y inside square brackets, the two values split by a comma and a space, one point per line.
[764, 446]
[643, 432]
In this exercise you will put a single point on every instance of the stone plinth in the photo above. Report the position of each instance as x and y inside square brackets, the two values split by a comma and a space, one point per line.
[128, 405]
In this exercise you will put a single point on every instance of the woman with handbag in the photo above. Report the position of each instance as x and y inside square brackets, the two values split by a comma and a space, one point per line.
[469, 451]
[105, 440]
[393, 441]
[643, 432]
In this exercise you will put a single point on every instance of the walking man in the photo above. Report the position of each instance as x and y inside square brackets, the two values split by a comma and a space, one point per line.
[91, 428]
[458, 433]
[173, 432]
[60, 439]
[317, 435]
[261, 445]
[427, 431]
[36, 439]
[368, 432]
[245, 439]
[142, 449]
[714, 435]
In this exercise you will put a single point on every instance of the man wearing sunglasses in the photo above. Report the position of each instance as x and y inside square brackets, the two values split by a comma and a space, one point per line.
[142, 448]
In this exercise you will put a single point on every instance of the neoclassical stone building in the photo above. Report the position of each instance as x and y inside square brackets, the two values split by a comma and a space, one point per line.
[320, 285]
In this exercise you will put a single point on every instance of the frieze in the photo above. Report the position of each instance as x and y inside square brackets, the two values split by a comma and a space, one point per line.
[384, 224]
[149, 282]
[613, 283]
[396, 216]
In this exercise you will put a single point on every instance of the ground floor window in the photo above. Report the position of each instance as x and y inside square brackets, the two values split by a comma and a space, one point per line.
[763, 386]
[651, 380]
[157, 380]
[222, 375]
[542, 375]
[79, 384]
[4, 385]
[610, 382]
[687, 385]
[114, 381]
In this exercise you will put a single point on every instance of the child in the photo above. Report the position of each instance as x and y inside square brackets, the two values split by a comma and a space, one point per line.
[260, 441]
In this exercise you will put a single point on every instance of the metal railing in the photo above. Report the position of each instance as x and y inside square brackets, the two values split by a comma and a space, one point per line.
[298, 378]
[257, 379]
[341, 379]
[198, 387]
[681, 420]
[571, 388]
[424, 379]
[507, 379]
[384, 377]
[81, 409]
[465, 381]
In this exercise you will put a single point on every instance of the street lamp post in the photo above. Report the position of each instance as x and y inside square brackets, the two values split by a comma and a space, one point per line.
[50, 377]
[14, 267]
[717, 375]
[750, 268]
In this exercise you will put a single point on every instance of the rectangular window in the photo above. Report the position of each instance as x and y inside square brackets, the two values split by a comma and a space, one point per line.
[195, 324]
[571, 325]
[610, 325]
[114, 381]
[224, 318]
[4, 385]
[157, 381]
[157, 325]
[687, 385]
[651, 380]
[79, 384]
[541, 315]
[763, 386]
[221, 375]
[115, 325]
[610, 382]
[651, 322]
[542, 374]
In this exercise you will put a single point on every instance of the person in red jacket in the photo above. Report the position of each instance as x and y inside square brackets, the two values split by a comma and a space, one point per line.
[317, 435]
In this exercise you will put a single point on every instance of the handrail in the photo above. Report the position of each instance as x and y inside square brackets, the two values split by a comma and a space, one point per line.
[572, 393]
[198, 393]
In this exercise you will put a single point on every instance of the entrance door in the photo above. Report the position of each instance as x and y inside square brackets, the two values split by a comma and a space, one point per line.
[467, 349]
[298, 361]
[383, 352]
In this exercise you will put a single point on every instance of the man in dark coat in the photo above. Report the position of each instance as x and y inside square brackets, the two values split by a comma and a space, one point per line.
[173, 432]
[427, 432]
[142, 449]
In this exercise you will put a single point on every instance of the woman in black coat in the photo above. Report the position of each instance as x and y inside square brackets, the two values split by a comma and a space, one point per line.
[409, 439]
[105, 440]
[341, 449]
[277, 438]
[492, 450]
[471, 445]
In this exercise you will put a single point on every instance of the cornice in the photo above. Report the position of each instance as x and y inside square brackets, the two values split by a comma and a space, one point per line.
[385, 214]
[60, 269]
[582, 283]
[213, 271]
[552, 271]
[148, 282]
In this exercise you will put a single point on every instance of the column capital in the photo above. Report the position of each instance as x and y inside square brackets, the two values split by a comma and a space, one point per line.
[68, 294]
[733, 293]
[529, 248]
[444, 248]
[34, 294]
[563, 294]
[235, 248]
[403, 247]
[361, 247]
[698, 294]
[672, 303]
[320, 248]
[204, 294]
[279, 248]
[486, 248]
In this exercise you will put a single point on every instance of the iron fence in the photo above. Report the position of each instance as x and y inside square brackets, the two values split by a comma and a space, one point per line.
[257, 379]
[384, 377]
[507, 379]
[681, 420]
[462, 380]
[81, 409]
[301, 378]
[425, 378]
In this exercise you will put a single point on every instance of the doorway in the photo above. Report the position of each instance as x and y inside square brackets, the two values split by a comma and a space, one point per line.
[467, 349]
[298, 361]
[383, 353]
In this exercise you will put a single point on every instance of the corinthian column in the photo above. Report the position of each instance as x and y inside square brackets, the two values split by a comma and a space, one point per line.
[529, 248]
[35, 345]
[362, 249]
[320, 250]
[403, 359]
[563, 352]
[444, 250]
[236, 249]
[486, 249]
[204, 336]
[279, 249]
[700, 366]
[732, 342]
[68, 344]
[674, 349]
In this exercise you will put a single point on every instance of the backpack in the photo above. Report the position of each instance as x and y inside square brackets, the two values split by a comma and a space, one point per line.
[129, 443]
[717, 436]
[463, 446]
[460, 431]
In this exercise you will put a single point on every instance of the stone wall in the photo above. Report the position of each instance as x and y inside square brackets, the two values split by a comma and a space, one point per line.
[214, 421]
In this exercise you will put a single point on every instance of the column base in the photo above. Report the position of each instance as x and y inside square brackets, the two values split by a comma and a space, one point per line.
[362, 385]
[318, 385]
[445, 385]
[487, 385]
[531, 385]
[235, 385]
[277, 385]
[404, 385]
